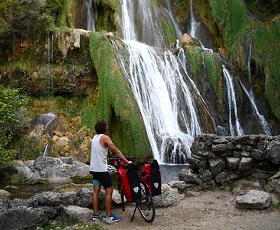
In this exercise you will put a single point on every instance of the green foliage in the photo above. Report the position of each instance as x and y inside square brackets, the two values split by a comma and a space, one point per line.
[43, 25]
[264, 9]
[64, 14]
[12, 115]
[169, 31]
[195, 58]
[4, 28]
[214, 70]
[30, 148]
[4, 7]
[183, 6]
[52, 8]
[76, 179]
[71, 107]
[6, 166]
[266, 41]
[232, 19]
[22, 16]
[12, 112]
[72, 224]
[266, 44]
[22, 19]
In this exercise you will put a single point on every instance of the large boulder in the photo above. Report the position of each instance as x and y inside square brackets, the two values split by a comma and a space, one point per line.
[52, 169]
[254, 199]
[22, 217]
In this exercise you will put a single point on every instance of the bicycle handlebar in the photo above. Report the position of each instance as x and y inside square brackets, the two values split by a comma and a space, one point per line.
[117, 161]
[118, 158]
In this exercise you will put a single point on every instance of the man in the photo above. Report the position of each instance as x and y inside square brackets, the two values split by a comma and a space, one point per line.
[99, 170]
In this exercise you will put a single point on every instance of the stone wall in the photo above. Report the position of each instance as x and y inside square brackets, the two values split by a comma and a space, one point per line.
[217, 160]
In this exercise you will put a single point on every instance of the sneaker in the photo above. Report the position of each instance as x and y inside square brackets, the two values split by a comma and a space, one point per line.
[111, 219]
[96, 217]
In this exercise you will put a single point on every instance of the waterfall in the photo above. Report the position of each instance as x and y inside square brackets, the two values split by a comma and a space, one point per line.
[250, 94]
[163, 97]
[138, 23]
[194, 24]
[90, 20]
[48, 120]
[177, 30]
[232, 106]
[164, 101]
[49, 60]
[162, 86]
[261, 119]
[249, 62]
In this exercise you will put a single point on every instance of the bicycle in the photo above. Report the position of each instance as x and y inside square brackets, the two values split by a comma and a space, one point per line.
[145, 204]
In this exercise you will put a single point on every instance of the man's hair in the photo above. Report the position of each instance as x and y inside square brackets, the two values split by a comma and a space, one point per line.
[100, 127]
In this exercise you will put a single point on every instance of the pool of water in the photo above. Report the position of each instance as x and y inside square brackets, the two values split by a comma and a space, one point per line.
[170, 172]
[25, 191]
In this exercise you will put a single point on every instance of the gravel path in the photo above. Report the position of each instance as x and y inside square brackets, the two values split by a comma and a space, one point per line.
[213, 210]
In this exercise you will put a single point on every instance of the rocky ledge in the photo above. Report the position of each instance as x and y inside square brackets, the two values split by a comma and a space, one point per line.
[247, 166]
[239, 164]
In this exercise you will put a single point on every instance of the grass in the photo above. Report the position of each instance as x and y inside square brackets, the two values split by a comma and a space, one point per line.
[72, 224]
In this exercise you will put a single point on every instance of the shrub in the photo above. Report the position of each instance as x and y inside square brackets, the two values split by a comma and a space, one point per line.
[12, 113]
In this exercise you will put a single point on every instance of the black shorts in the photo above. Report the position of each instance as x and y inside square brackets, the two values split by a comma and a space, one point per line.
[103, 177]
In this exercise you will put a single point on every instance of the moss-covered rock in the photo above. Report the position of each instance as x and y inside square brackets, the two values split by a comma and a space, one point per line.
[115, 102]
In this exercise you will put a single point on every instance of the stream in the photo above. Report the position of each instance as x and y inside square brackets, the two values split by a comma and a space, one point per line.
[169, 173]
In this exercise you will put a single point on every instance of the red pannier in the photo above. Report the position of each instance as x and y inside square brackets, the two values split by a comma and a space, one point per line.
[130, 182]
[152, 172]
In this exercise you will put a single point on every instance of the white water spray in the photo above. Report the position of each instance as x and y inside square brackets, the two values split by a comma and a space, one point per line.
[261, 119]
[232, 106]
[90, 20]
[163, 98]
[194, 24]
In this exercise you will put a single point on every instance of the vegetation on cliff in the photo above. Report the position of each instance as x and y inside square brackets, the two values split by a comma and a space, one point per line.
[12, 112]
[28, 29]
[115, 102]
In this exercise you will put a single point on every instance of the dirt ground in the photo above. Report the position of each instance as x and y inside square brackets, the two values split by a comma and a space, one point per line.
[213, 210]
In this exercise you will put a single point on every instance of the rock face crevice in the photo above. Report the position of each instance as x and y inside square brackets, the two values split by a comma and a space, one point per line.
[219, 161]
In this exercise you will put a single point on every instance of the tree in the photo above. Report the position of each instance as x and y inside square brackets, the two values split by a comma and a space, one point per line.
[13, 117]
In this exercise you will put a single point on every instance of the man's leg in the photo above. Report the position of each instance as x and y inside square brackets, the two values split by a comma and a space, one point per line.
[95, 198]
[108, 200]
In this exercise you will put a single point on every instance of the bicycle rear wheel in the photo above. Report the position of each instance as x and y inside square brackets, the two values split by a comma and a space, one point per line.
[146, 205]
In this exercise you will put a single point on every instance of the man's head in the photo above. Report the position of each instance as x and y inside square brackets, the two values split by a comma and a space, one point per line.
[100, 127]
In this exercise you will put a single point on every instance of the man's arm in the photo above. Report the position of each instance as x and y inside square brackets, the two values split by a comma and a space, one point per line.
[109, 143]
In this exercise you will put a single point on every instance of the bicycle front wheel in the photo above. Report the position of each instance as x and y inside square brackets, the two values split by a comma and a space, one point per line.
[146, 205]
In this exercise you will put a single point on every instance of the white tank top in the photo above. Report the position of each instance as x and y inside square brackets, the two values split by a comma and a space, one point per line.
[98, 155]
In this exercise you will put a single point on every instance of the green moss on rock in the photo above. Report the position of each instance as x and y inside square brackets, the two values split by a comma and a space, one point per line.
[266, 44]
[214, 70]
[115, 102]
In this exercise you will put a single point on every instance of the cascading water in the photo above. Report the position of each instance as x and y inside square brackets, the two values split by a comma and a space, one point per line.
[260, 117]
[90, 20]
[162, 86]
[250, 94]
[232, 106]
[249, 62]
[194, 24]
[49, 59]
[164, 99]
[177, 30]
